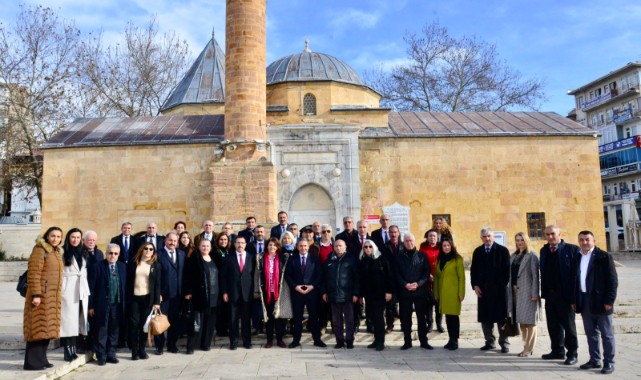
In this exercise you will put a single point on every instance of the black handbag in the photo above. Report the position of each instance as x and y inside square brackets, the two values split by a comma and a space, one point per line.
[511, 328]
[22, 284]
[190, 320]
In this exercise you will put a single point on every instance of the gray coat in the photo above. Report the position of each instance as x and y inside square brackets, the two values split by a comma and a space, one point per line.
[528, 286]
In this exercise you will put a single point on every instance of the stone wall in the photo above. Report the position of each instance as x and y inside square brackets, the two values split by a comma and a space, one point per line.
[486, 181]
[99, 188]
[17, 240]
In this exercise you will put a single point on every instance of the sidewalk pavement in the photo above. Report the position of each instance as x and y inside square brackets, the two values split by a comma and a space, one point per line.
[310, 362]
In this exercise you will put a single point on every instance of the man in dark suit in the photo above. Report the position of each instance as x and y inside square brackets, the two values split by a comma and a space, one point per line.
[281, 227]
[237, 286]
[381, 236]
[412, 275]
[152, 236]
[172, 262]
[259, 244]
[303, 275]
[248, 232]
[559, 262]
[124, 242]
[489, 275]
[316, 228]
[595, 296]
[350, 236]
[107, 304]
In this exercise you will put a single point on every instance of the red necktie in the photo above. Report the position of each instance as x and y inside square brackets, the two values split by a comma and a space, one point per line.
[242, 262]
[553, 248]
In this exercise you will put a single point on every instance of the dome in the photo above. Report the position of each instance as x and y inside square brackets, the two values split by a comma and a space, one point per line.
[310, 66]
[205, 80]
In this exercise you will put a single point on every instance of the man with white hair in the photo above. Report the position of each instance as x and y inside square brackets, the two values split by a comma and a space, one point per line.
[412, 274]
[490, 274]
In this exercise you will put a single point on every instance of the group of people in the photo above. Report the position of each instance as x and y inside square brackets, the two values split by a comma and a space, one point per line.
[236, 285]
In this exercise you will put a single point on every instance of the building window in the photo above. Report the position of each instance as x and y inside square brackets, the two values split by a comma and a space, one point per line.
[606, 190]
[309, 105]
[628, 132]
[633, 186]
[536, 225]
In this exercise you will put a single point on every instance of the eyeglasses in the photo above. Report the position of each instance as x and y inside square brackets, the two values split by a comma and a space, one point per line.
[367, 246]
[327, 232]
[113, 253]
[148, 249]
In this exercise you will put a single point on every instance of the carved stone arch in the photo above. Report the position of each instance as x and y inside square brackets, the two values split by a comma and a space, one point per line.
[312, 202]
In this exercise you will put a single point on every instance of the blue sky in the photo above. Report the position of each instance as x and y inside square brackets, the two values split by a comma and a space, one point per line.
[567, 44]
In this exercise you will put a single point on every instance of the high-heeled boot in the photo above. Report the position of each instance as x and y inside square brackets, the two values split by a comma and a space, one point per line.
[74, 355]
[67, 354]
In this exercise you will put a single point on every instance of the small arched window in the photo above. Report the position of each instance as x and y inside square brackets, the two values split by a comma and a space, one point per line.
[309, 105]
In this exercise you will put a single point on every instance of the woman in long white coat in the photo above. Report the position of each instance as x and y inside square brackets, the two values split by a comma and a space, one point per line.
[75, 294]
[524, 300]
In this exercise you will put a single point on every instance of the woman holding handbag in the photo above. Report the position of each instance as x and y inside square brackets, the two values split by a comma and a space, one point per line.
[271, 267]
[43, 299]
[524, 301]
[201, 289]
[143, 294]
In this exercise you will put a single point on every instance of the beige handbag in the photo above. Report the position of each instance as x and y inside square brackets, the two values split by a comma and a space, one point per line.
[158, 324]
[283, 307]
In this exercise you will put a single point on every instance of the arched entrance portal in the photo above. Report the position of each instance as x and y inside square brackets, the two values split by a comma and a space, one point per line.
[310, 203]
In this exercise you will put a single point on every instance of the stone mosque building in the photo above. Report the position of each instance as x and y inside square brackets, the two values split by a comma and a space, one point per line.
[310, 137]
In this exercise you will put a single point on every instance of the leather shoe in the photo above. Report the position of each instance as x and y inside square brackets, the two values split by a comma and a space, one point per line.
[339, 345]
[571, 360]
[247, 346]
[426, 346]
[505, 349]
[406, 346]
[173, 350]
[372, 345]
[113, 360]
[590, 365]
[158, 351]
[189, 352]
[268, 345]
[101, 362]
[488, 347]
[233, 347]
[453, 346]
[320, 343]
[448, 345]
[135, 357]
[143, 355]
[294, 345]
[440, 329]
[48, 365]
[552, 356]
[350, 345]
[608, 368]
[281, 344]
[380, 347]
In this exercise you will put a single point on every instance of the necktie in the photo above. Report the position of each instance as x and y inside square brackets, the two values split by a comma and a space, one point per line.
[172, 256]
[362, 240]
[304, 264]
[385, 238]
[241, 262]
[553, 248]
[487, 249]
[113, 269]
[126, 245]
[260, 247]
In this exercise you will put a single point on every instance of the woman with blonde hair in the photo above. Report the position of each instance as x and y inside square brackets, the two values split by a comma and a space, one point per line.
[524, 300]
[443, 230]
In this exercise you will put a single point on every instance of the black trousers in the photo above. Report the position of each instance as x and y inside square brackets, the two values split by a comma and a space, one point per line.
[222, 320]
[299, 302]
[375, 312]
[561, 325]
[171, 308]
[453, 323]
[257, 314]
[432, 310]
[35, 355]
[391, 312]
[272, 322]
[105, 338]
[240, 311]
[420, 306]
[205, 335]
[324, 313]
[139, 309]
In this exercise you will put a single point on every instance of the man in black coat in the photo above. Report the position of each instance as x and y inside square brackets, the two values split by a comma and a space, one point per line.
[124, 241]
[303, 275]
[237, 286]
[381, 235]
[107, 304]
[559, 262]
[341, 290]
[412, 274]
[172, 261]
[489, 275]
[596, 292]
[248, 232]
[350, 236]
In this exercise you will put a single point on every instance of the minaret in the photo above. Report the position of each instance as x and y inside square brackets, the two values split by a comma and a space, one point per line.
[243, 179]
[245, 78]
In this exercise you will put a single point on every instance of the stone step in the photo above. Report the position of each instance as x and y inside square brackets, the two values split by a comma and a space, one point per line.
[11, 270]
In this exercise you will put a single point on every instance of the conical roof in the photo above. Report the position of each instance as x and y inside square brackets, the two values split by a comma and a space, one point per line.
[205, 80]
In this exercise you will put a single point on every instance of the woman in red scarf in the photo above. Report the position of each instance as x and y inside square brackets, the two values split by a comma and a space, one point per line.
[271, 267]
